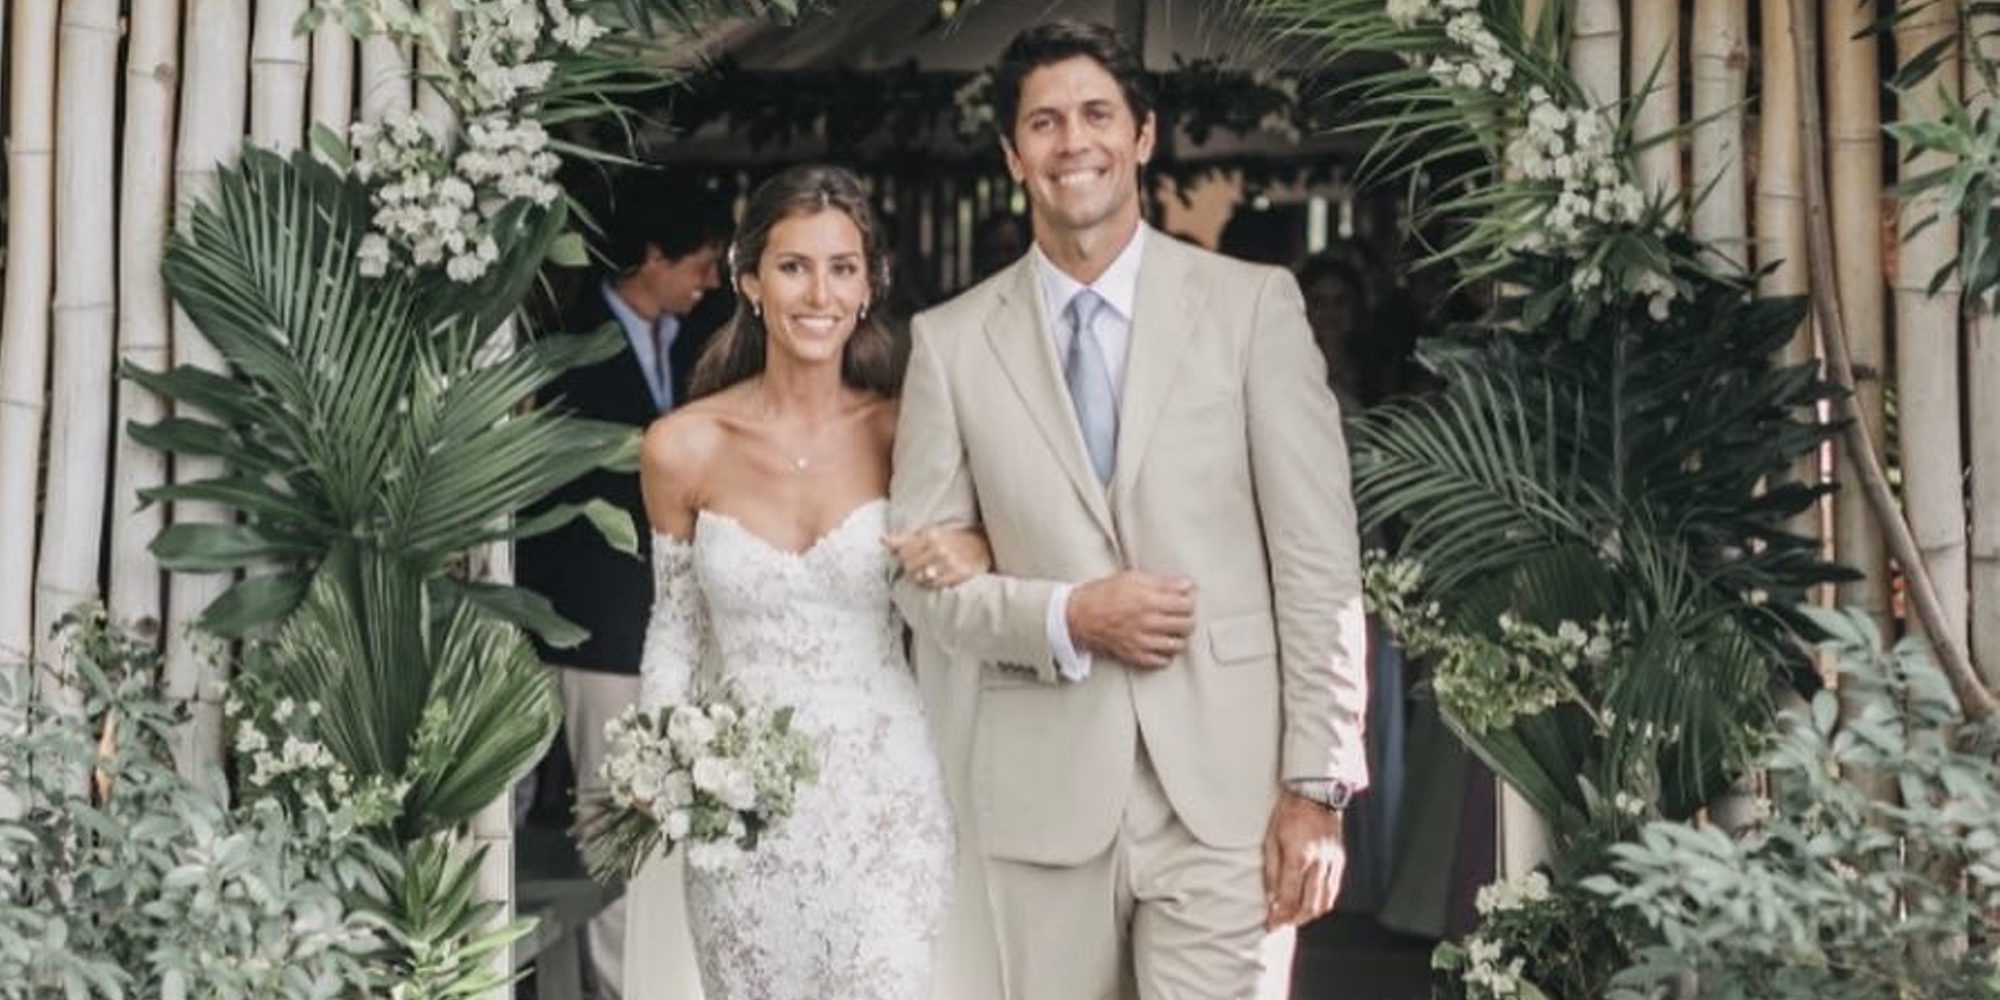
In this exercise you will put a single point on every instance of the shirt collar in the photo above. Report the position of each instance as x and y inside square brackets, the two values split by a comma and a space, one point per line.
[635, 324]
[1118, 285]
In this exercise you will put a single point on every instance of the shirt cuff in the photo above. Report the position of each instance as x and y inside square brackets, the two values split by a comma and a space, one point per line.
[1072, 664]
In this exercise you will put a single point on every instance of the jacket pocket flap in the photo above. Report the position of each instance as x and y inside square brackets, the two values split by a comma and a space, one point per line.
[1242, 637]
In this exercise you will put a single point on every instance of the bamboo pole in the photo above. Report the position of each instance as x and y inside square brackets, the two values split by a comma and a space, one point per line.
[145, 201]
[1656, 56]
[83, 321]
[332, 77]
[385, 77]
[1976, 700]
[1719, 61]
[1781, 216]
[1854, 176]
[216, 62]
[1982, 384]
[24, 327]
[278, 76]
[1927, 392]
[1594, 50]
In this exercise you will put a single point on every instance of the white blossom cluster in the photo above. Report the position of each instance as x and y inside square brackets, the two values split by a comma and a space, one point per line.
[1512, 894]
[1485, 65]
[301, 771]
[1577, 148]
[438, 215]
[434, 209]
[1488, 973]
[1573, 151]
[710, 775]
[501, 42]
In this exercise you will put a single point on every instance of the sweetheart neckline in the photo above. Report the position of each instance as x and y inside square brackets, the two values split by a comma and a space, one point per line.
[812, 546]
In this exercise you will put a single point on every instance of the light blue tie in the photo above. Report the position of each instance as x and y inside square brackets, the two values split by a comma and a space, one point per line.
[664, 330]
[1090, 382]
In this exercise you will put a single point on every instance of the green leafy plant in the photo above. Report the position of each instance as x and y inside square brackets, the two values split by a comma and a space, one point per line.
[1632, 485]
[1539, 937]
[437, 697]
[446, 938]
[1837, 894]
[120, 877]
[1967, 184]
[358, 413]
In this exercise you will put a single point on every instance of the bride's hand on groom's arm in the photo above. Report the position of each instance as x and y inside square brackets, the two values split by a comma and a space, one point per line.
[941, 556]
[1138, 618]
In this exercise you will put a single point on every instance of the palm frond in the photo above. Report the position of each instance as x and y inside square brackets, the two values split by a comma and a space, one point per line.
[491, 712]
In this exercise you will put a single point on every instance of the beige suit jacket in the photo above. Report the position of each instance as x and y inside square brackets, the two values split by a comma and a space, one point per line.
[1230, 470]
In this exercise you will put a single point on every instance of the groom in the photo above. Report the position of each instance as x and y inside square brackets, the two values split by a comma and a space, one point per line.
[1169, 650]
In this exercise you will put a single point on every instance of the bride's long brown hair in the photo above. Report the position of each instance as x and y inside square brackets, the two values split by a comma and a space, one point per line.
[872, 358]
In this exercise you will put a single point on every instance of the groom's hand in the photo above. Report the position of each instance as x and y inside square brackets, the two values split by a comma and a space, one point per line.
[1303, 861]
[1143, 619]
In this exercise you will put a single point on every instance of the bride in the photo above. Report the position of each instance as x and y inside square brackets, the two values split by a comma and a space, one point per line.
[767, 499]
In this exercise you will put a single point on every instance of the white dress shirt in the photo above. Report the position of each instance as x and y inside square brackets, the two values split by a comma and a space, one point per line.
[1118, 286]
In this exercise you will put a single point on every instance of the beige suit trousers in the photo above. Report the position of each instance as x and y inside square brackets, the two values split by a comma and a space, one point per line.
[1159, 915]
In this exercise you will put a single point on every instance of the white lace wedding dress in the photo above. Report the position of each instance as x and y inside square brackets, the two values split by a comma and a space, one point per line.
[846, 899]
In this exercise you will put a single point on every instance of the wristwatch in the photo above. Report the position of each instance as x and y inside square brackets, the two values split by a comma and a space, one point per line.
[1329, 793]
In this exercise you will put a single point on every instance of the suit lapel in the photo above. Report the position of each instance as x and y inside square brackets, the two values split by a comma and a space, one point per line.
[1164, 317]
[1019, 336]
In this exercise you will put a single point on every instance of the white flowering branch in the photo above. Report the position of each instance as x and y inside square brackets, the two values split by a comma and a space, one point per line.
[1574, 177]
[434, 206]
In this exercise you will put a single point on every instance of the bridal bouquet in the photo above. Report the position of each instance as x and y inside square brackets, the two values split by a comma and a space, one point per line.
[713, 774]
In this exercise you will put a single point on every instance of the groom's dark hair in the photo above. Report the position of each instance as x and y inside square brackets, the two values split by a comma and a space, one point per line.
[1052, 42]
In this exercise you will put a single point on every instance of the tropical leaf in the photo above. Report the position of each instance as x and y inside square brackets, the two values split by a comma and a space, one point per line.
[357, 410]
[418, 684]
[492, 711]
[1637, 476]
[427, 901]
[521, 606]
[358, 646]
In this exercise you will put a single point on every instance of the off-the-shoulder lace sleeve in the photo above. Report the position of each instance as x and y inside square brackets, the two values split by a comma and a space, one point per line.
[676, 632]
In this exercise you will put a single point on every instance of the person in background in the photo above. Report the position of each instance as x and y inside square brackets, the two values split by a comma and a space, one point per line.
[664, 249]
[1337, 306]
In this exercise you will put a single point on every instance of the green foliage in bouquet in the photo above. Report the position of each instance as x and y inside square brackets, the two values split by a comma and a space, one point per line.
[1837, 894]
[714, 775]
[119, 877]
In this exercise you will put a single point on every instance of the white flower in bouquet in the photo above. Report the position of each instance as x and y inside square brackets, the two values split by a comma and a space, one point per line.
[713, 775]
[690, 732]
